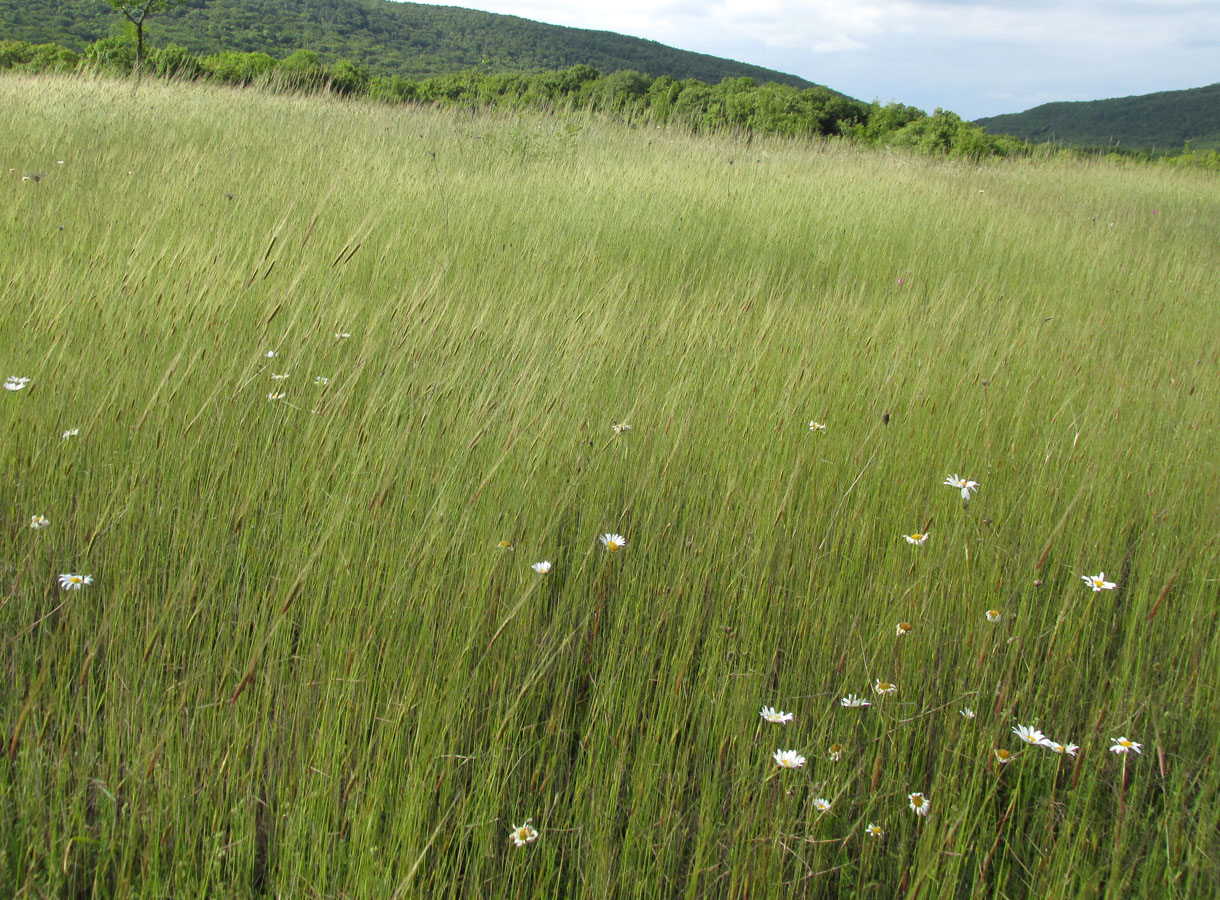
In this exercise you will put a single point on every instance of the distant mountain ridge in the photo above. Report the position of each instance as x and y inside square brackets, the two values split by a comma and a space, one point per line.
[408, 39]
[1163, 121]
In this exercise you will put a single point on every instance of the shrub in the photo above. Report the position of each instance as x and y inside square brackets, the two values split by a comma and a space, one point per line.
[232, 67]
[173, 61]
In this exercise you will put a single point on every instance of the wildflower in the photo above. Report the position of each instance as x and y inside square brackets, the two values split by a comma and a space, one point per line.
[920, 805]
[835, 753]
[993, 615]
[39, 522]
[523, 834]
[70, 582]
[967, 712]
[322, 380]
[903, 629]
[851, 701]
[613, 542]
[620, 427]
[885, 687]
[788, 759]
[1029, 734]
[271, 354]
[1096, 582]
[13, 383]
[1002, 756]
[821, 804]
[1122, 745]
[505, 545]
[1069, 749]
[70, 433]
[342, 335]
[774, 717]
[274, 396]
[916, 538]
[817, 426]
[279, 377]
[874, 831]
[541, 567]
[963, 484]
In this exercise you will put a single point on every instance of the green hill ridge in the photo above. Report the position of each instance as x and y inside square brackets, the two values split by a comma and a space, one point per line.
[408, 39]
[1162, 121]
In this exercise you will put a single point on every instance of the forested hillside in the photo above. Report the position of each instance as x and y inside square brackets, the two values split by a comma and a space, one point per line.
[1162, 121]
[407, 39]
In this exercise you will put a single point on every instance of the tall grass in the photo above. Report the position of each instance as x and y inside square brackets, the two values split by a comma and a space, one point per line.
[306, 667]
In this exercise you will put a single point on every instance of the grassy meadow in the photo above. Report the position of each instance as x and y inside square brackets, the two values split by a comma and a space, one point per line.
[306, 665]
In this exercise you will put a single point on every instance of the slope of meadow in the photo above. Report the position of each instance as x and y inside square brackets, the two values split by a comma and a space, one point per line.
[306, 666]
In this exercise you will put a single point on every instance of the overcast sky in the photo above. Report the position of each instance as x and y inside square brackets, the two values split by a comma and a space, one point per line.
[975, 57]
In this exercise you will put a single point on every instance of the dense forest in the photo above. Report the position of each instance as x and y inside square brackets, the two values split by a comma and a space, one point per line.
[1161, 121]
[407, 39]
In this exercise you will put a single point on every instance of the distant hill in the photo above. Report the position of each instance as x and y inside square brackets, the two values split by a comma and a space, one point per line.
[408, 39]
[1161, 121]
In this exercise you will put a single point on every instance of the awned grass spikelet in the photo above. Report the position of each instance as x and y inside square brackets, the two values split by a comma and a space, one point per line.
[311, 662]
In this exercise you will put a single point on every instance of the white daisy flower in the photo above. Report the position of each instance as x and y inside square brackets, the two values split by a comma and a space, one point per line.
[1002, 756]
[620, 427]
[917, 538]
[70, 582]
[342, 335]
[613, 542]
[1029, 734]
[817, 426]
[1098, 582]
[775, 717]
[1122, 745]
[39, 522]
[322, 380]
[788, 759]
[885, 687]
[271, 354]
[276, 396]
[13, 383]
[903, 629]
[523, 834]
[993, 615]
[920, 804]
[967, 712]
[541, 567]
[70, 433]
[835, 753]
[821, 804]
[1069, 749]
[505, 545]
[280, 377]
[873, 831]
[963, 485]
[851, 701]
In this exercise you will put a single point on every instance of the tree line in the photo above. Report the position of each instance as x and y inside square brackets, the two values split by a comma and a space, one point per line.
[735, 104]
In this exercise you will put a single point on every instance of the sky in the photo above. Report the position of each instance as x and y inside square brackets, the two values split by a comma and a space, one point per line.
[975, 57]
